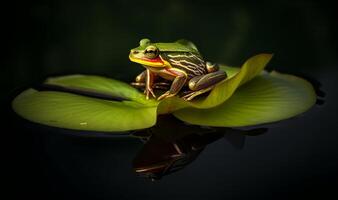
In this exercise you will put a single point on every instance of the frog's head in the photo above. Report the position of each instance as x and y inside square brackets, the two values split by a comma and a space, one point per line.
[146, 54]
[149, 54]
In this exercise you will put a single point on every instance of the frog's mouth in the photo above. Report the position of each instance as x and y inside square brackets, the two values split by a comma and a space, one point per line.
[155, 62]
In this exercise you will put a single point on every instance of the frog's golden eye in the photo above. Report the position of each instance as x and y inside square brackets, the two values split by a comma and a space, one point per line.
[151, 52]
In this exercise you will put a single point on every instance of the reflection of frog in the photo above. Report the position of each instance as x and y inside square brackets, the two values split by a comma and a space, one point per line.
[179, 62]
[166, 151]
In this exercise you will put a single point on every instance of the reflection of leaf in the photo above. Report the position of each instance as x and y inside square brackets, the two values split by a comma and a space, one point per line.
[251, 68]
[73, 111]
[267, 98]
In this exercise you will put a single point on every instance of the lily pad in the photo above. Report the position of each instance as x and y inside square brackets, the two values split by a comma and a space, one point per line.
[74, 111]
[251, 68]
[71, 102]
[267, 98]
[99, 84]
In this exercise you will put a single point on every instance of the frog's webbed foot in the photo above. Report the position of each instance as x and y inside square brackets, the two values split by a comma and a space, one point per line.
[194, 94]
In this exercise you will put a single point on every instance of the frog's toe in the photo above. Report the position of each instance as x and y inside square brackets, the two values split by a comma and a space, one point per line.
[149, 92]
[138, 85]
[152, 93]
[194, 94]
[165, 95]
[188, 97]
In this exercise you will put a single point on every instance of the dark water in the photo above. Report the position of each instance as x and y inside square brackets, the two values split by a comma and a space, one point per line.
[296, 158]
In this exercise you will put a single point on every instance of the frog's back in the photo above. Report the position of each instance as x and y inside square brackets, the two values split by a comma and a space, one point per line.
[192, 63]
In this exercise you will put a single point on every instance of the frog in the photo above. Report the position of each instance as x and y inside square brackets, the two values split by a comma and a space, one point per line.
[179, 63]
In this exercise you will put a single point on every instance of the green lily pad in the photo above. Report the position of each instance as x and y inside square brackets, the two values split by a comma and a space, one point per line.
[73, 111]
[251, 68]
[267, 98]
[99, 84]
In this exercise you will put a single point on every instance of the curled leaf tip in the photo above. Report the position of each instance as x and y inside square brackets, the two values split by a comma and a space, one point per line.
[224, 90]
[269, 97]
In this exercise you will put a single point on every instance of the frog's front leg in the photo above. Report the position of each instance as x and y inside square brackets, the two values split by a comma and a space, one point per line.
[141, 77]
[146, 80]
[179, 81]
[149, 84]
[140, 82]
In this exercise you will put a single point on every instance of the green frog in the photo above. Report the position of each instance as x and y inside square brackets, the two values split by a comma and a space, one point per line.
[180, 63]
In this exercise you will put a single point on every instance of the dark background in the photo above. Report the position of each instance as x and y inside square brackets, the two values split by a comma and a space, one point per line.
[296, 158]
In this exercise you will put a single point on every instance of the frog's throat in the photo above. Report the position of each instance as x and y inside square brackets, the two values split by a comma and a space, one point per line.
[156, 62]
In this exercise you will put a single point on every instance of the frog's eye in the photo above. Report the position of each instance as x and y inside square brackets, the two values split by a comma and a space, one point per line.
[151, 52]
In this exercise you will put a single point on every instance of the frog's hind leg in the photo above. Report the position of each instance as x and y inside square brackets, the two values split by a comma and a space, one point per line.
[204, 83]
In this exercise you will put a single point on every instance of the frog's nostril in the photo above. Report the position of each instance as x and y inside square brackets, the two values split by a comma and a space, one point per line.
[134, 52]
